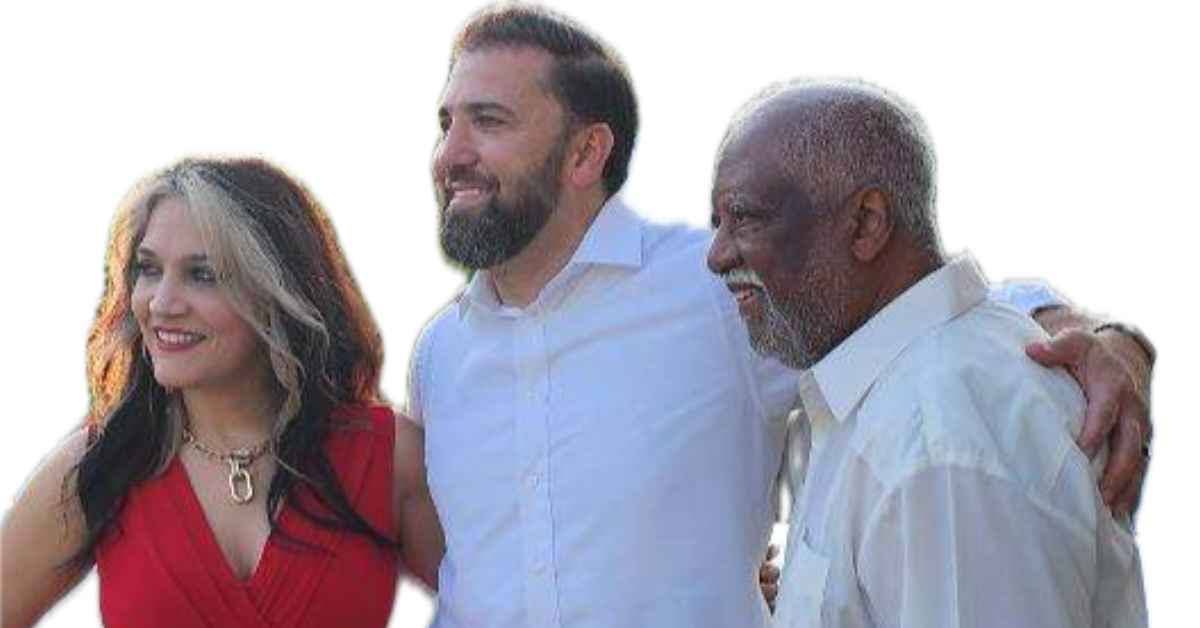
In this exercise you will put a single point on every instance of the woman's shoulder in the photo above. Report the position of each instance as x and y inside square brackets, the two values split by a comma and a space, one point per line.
[366, 424]
[373, 413]
[58, 468]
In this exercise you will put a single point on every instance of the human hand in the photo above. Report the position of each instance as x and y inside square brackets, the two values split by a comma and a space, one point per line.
[768, 576]
[1114, 374]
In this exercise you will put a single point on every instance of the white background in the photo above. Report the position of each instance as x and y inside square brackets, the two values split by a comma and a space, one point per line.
[1066, 137]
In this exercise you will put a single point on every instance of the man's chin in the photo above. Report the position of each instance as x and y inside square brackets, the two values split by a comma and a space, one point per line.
[768, 345]
[467, 258]
[760, 341]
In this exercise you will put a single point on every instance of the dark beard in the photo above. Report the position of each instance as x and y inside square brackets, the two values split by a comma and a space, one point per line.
[505, 226]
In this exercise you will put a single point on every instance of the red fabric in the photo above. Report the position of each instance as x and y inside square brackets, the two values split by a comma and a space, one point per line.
[161, 566]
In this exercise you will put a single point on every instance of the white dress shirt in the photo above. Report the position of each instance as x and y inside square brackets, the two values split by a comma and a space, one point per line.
[943, 487]
[606, 456]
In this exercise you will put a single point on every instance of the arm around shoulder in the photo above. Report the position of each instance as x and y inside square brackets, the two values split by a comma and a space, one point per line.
[1112, 364]
[41, 534]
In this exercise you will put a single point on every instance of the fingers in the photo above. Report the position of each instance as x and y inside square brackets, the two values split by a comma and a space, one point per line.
[768, 573]
[1065, 348]
[1128, 501]
[1099, 376]
[768, 581]
[1115, 411]
[770, 594]
[1100, 415]
[1129, 386]
[1128, 494]
[1105, 381]
[768, 576]
[1125, 459]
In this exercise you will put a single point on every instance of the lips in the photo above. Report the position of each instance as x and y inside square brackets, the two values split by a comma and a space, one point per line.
[747, 290]
[467, 191]
[749, 297]
[167, 339]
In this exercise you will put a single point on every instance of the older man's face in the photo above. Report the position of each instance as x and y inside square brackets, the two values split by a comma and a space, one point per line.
[775, 251]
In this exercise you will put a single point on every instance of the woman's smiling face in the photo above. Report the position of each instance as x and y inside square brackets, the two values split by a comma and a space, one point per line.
[195, 337]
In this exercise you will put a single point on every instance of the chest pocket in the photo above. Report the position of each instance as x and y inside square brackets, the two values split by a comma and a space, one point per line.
[802, 587]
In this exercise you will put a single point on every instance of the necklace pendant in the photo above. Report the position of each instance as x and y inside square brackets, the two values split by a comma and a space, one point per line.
[241, 483]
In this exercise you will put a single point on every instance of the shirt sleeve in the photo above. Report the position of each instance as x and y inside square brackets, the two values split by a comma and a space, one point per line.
[417, 367]
[957, 546]
[773, 387]
[1026, 295]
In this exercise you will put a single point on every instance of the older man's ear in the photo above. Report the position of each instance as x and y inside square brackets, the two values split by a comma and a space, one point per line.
[871, 218]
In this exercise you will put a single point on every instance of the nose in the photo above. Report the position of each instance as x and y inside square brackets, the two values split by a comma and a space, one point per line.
[167, 298]
[723, 254]
[455, 149]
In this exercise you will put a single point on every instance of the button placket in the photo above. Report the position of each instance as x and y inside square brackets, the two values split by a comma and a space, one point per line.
[533, 447]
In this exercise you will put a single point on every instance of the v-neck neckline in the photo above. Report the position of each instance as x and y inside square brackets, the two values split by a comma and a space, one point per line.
[208, 539]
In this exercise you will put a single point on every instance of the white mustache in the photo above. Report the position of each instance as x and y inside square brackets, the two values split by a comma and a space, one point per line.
[742, 275]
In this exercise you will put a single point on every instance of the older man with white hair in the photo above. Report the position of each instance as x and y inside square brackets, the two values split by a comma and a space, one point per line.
[944, 486]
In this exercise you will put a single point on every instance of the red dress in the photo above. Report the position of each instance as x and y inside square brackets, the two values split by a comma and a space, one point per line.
[161, 566]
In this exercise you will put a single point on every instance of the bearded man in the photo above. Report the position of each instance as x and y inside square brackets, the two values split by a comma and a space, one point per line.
[944, 486]
[601, 443]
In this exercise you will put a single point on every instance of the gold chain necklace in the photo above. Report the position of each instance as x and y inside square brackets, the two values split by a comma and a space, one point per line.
[241, 480]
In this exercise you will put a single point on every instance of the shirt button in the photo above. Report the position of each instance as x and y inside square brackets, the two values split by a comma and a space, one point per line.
[539, 568]
[531, 480]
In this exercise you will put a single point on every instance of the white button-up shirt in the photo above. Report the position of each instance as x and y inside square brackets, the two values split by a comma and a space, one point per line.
[944, 487]
[604, 457]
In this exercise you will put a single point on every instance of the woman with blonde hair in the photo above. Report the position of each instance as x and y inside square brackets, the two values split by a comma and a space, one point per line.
[237, 466]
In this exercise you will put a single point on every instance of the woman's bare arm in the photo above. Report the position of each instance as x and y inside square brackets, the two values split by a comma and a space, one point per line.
[40, 534]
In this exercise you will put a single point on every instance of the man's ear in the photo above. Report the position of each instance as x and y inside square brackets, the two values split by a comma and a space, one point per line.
[873, 217]
[590, 149]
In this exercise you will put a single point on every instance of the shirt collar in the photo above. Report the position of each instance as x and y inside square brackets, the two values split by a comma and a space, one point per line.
[613, 239]
[833, 388]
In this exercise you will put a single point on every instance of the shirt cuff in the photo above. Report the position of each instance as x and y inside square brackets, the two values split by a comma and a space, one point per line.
[1026, 295]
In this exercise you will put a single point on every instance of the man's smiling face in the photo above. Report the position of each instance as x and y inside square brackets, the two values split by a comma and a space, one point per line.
[498, 163]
